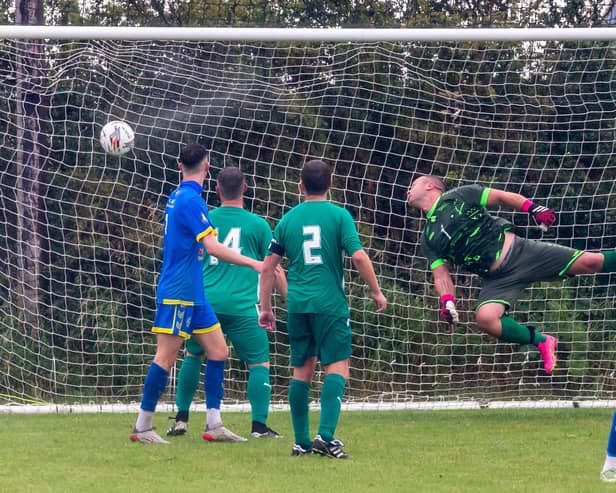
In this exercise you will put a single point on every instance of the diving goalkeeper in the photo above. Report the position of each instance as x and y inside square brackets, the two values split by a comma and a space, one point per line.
[459, 231]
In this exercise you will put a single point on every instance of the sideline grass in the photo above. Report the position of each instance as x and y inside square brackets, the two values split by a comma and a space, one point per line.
[407, 451]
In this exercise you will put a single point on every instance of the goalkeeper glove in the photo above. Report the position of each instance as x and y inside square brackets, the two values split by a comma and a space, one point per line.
[543, 216]
[448, 309]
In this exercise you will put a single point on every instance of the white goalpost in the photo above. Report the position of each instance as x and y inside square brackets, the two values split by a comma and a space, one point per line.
[528, 110]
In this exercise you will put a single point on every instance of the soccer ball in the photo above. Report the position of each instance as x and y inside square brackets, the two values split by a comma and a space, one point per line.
[117, 138]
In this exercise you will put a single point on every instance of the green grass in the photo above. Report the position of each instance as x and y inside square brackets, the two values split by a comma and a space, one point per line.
[408, 451]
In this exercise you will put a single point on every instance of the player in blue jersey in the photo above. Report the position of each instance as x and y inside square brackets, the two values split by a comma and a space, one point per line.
[459, 231]
[181, 307]
[233, 293]
[608, 473]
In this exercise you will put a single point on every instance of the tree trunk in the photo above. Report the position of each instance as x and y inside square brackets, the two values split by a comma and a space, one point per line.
[28, 93]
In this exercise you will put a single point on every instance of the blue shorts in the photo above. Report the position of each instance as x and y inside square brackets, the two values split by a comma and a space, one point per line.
[184, 320]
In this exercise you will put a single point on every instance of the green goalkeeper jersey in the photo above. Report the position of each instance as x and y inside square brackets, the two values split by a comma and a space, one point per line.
[459, 230]
[314, 236]
[233, 289]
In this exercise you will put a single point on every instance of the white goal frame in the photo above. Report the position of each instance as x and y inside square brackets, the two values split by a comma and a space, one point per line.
[314, 35]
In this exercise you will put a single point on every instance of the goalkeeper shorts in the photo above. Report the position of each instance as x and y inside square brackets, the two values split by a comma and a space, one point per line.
[527, 261]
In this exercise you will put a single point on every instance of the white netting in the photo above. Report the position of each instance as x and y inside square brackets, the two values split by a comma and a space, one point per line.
[80, 231]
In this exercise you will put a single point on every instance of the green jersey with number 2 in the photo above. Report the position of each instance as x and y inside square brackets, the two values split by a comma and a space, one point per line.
[314, 236]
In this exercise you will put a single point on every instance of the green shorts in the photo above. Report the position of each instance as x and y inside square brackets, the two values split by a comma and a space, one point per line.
[249, 340]
[527, 261]
[328, 337]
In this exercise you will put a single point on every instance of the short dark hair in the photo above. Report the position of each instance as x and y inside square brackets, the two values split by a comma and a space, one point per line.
[316, 177]
[437, 182]
[231, 182]
[192, 155]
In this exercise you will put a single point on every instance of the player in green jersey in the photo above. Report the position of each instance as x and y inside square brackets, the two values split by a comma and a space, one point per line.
[233, 294]
[459, 231]
[314, 235]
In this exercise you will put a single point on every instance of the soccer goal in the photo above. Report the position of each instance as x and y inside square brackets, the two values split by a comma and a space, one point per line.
[531, 110]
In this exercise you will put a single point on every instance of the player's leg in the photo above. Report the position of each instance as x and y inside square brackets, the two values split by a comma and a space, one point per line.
[608, 473]
[335, 351]
[209, 335]
[189, 376]
[217, 352]
[213, 341]
[259, 392]
[303, 361]
[170, 325]
[299, 400]
[593, 262]
[251, 345]
[154, 386]
[491, 318]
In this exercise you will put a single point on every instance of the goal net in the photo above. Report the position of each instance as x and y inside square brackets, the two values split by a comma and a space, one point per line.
[80, 231]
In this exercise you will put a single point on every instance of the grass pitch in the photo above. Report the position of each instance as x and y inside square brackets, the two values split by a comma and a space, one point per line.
[392, 451]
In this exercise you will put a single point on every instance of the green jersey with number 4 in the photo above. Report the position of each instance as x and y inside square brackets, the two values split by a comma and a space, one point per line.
[314, 236]
[232, 289]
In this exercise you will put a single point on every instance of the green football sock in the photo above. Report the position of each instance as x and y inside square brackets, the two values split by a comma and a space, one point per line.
[188, 382]
[259, 391]
[331, 400]
[518, 333]
[298, 401]
[609, 261]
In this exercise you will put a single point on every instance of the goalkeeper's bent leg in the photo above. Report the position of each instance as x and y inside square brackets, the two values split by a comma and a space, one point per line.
[516, 332]
[609, 261]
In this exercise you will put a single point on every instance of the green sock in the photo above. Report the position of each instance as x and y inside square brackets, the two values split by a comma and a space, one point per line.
[609, 261]
[521, 334]
[188, 382]
[259, 391]
[331, 400]
[298, 401]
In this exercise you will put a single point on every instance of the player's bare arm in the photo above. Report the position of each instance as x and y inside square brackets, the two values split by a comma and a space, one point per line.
[363, 264]
[266, 285]
[446, 291]
[226, 254]
[280, 282]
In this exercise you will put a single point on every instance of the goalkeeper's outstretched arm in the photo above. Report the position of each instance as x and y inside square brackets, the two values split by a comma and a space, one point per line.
[543, 216]
[501, 198]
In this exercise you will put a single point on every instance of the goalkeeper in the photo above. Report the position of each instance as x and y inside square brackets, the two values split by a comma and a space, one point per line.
[459, 231]
[232, 291]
